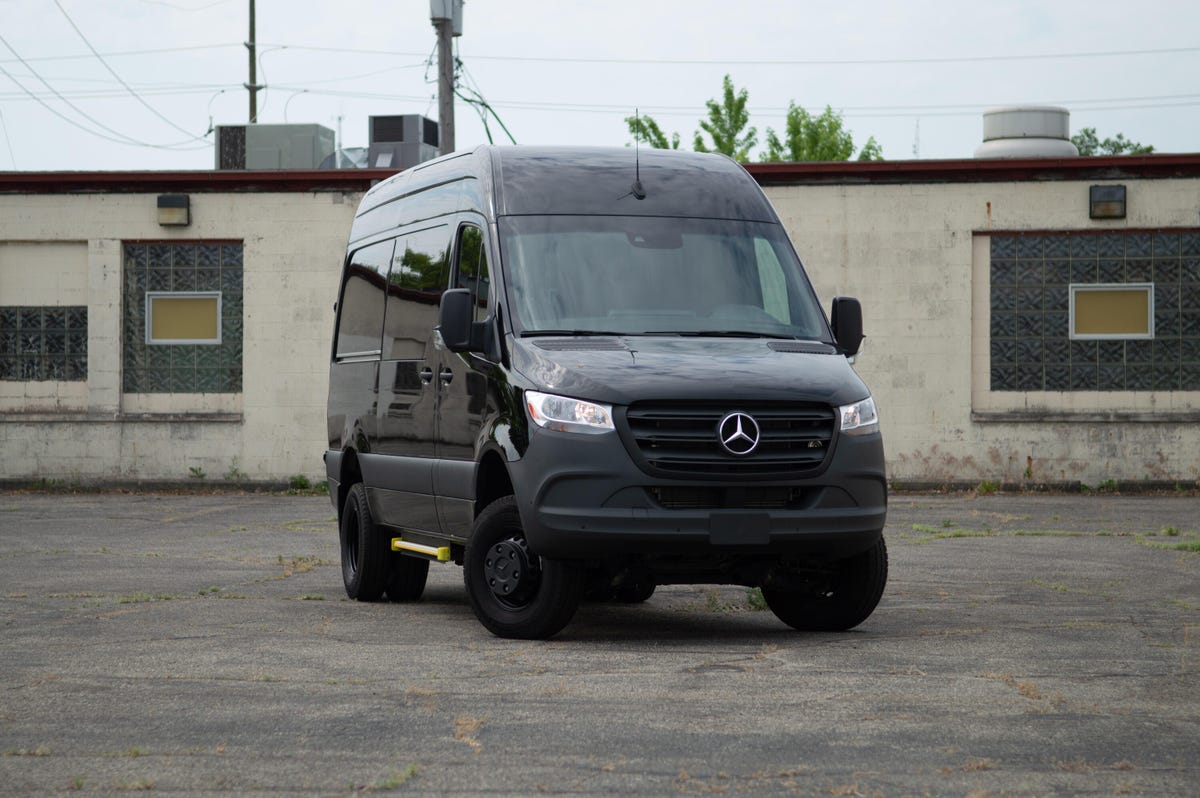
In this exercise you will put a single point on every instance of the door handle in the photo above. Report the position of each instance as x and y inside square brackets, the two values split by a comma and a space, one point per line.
[426, 375]
[445, 375]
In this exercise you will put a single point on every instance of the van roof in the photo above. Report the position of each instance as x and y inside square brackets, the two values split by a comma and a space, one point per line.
[599, 181]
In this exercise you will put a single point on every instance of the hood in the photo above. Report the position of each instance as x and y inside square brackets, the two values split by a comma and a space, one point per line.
[621, 370]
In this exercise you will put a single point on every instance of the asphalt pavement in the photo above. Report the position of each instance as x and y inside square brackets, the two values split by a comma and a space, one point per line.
[197, 644]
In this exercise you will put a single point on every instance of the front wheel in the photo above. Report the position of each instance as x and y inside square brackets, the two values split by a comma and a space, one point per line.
[847, 599]
[514, 592]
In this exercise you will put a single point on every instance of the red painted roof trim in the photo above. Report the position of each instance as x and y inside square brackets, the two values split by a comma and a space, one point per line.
[196, 182]
[963, 170]
[971, 170]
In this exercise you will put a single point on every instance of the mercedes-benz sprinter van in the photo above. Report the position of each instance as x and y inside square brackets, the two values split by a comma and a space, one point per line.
[589, 372]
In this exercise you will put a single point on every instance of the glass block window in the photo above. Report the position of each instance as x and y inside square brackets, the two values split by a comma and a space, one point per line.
[43, 343]
[1033, 280]
[195, 269]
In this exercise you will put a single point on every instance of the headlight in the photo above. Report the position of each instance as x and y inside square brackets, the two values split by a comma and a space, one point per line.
[568, 415]
[859, 418]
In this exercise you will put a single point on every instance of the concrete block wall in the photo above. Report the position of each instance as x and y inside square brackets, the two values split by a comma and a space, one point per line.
[917, 256]
[293, 246]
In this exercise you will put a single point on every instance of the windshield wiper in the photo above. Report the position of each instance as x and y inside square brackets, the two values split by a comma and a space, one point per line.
[536, 333]
[722, 334]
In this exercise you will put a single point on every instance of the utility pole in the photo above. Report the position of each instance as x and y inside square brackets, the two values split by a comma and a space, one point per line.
[446, 16]
[253, 86]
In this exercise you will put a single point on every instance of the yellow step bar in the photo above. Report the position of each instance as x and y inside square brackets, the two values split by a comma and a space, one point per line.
[439, 553]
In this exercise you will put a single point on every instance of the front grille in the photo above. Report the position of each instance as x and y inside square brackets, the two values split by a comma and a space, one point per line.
[682, 438]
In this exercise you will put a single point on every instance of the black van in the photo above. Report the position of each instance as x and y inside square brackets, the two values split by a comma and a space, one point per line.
[585, 372]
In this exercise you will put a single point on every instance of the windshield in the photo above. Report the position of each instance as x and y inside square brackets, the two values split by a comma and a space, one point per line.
[627, 275]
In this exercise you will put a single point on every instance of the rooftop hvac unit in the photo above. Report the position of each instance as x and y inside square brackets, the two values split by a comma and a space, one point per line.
[273, 146]
[398, 142]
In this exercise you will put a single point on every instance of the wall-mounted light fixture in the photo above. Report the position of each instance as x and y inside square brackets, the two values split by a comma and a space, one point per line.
[174, 210]
[1106, 202]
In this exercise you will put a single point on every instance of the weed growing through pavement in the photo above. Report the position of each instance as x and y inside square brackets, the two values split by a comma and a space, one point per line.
[393, 780]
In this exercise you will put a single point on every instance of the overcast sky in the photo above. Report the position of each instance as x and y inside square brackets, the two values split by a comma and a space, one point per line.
[569, 71]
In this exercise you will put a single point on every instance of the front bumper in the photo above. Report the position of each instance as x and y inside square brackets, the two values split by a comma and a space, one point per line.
[582, 496]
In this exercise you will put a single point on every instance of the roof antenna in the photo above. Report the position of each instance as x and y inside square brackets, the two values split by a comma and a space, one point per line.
[637, 191]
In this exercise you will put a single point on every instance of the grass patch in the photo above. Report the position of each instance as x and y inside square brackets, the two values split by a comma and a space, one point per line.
[940, 533]
[143, 598]
[1047, 533]
[1191, 545]
[41, 750]
[300, 564]
[393, 780]
[755, 599]
[987, 487]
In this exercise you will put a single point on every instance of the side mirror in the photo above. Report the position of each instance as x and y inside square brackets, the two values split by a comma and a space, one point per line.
[455, 319]
[846, 320]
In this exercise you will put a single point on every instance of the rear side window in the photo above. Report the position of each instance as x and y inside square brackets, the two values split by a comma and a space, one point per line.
[360, 320]
[415, 284]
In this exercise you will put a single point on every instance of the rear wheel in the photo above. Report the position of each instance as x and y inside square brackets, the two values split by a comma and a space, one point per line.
[847, 599]
[406, 578]
[514, 592]
[365, 549]
[635, 592]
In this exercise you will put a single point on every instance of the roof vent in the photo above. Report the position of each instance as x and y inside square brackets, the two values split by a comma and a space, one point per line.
[1030, 131]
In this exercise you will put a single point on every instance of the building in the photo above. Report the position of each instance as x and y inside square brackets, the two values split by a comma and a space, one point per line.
[1013, 336]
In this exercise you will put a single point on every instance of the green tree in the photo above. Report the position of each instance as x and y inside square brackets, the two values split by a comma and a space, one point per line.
[647, 130]
[1089, 143]
[727, 125]
[823, 137]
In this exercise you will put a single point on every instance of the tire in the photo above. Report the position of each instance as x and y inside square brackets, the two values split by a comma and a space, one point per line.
[366, 554]
[406, 578]
[515, 593]
[635, 592]
[849, 599]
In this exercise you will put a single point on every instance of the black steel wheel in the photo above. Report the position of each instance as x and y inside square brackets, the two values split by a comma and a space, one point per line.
[847, 599]
[366, 550]
[514, 592]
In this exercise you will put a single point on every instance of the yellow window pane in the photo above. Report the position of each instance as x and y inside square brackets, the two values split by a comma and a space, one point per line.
[189, 318]
[1112, 312]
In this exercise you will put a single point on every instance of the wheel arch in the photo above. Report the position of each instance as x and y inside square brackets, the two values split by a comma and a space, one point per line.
[492, 480]
[351, 473]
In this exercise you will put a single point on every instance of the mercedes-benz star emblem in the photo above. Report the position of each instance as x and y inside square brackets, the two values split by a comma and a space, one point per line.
[738, 433]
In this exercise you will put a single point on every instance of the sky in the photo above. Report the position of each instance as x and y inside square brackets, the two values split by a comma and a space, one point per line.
[137, 84]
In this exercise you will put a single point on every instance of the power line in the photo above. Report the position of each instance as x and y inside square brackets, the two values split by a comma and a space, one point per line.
[151, 51]
[651, 61]
[178, 7]
[118, 137]
[775, 61]
[113, 72]
[8, 141]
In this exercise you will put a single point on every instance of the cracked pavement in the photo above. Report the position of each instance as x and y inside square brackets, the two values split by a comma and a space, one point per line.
[195, 644]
